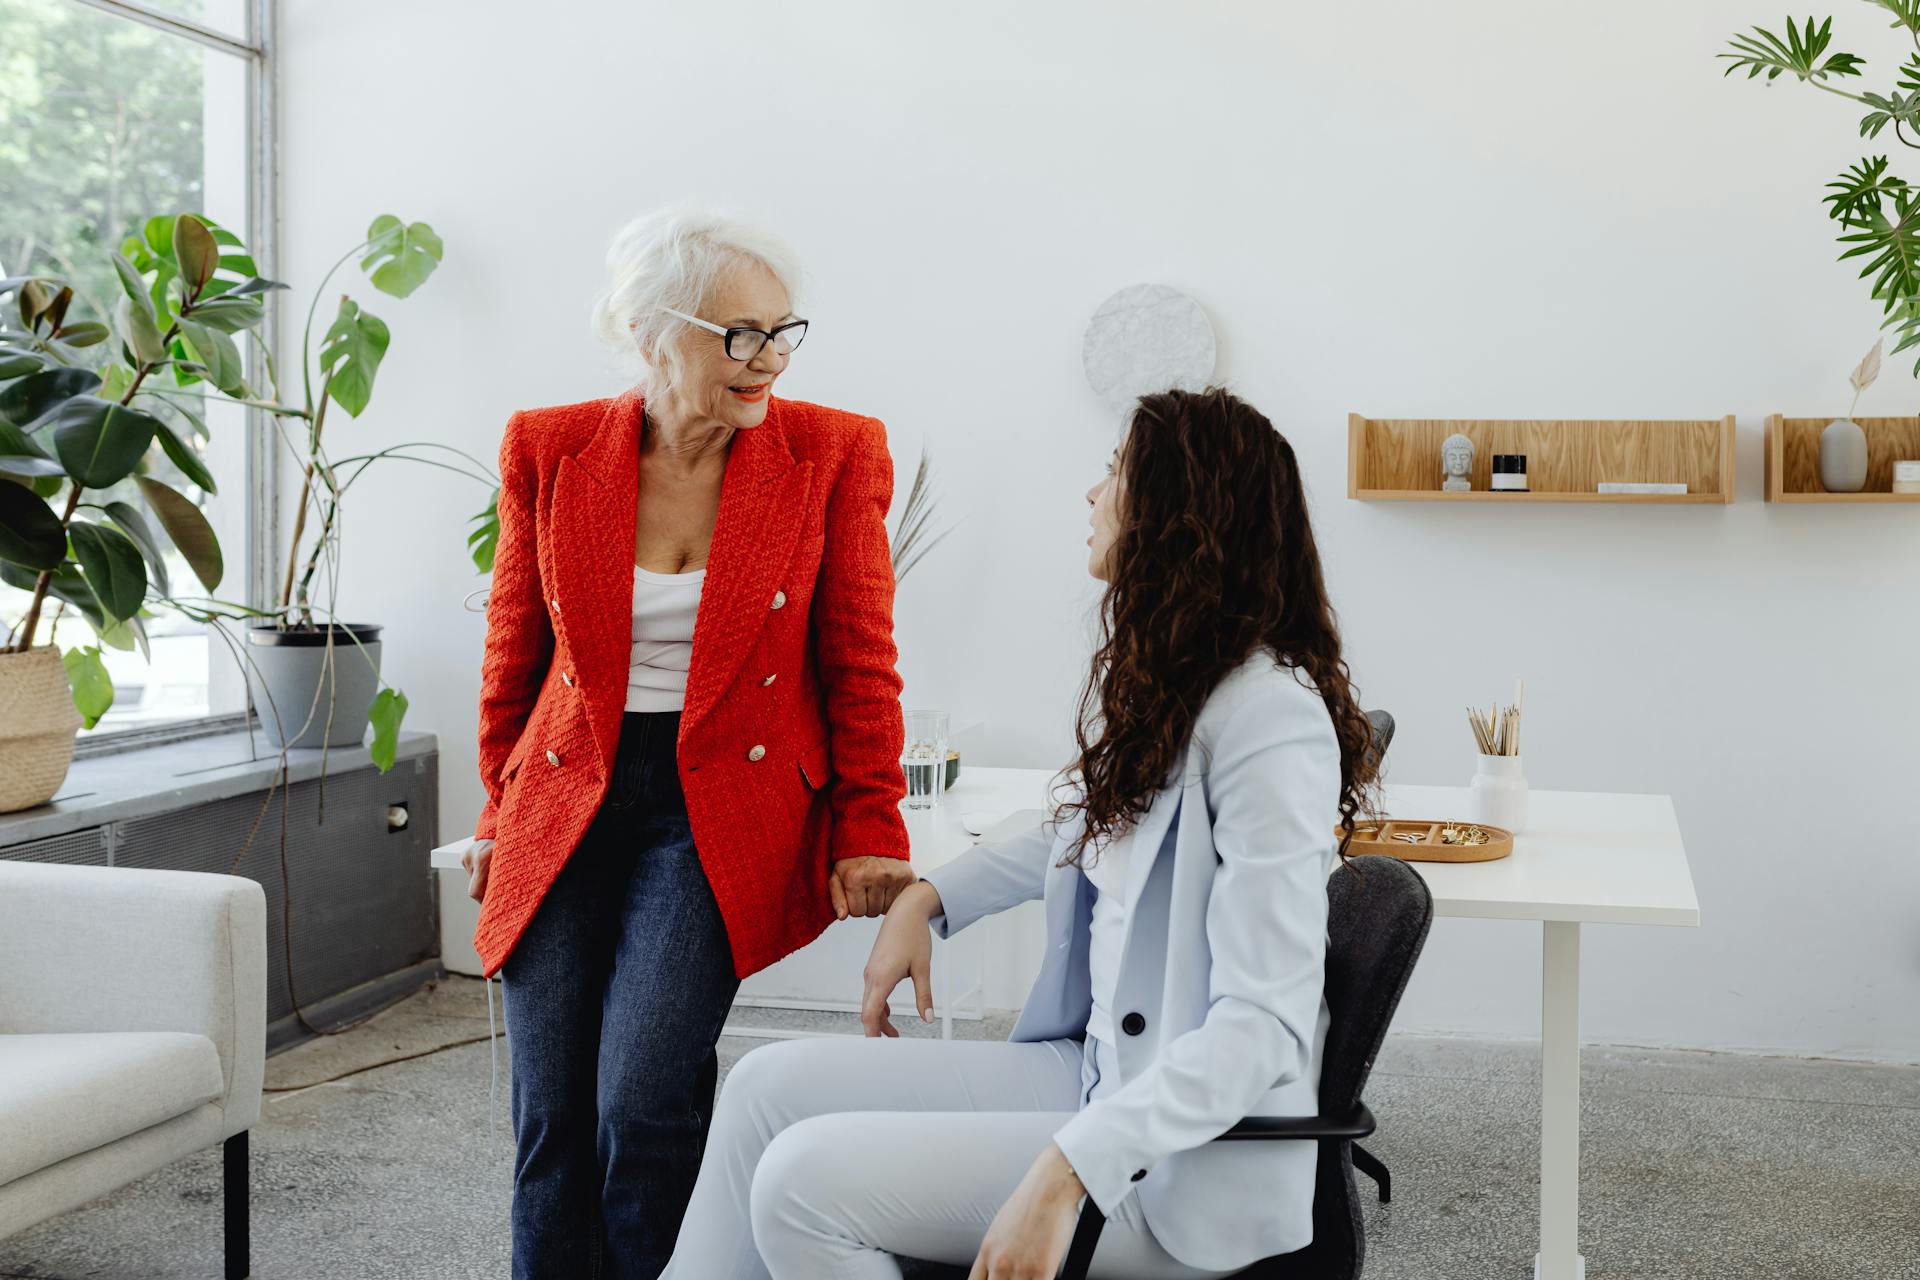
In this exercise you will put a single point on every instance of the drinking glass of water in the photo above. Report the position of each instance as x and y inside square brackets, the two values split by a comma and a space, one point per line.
[924, 760]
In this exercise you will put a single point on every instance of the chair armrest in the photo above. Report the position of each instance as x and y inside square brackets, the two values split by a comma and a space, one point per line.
[126, 949]
[1356, 1124]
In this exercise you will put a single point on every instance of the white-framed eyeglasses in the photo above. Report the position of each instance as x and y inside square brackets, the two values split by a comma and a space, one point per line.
[744, 342]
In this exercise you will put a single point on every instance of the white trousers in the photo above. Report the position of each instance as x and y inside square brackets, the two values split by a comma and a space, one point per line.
[828, 1157]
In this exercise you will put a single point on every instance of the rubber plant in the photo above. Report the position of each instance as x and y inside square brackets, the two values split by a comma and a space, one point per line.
[1878, 210]
[69, 434]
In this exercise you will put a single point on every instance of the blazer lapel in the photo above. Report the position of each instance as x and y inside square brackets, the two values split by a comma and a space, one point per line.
[594, 494]
[763, 507]
[1064, 834]
[1151, 832]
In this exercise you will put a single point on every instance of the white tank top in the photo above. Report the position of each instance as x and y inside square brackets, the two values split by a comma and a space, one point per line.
[664, 608]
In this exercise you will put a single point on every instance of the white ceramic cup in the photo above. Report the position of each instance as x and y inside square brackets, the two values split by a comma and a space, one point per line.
[1499, 793]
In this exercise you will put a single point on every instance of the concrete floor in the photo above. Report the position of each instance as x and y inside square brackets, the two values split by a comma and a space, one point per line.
[1696, 1166]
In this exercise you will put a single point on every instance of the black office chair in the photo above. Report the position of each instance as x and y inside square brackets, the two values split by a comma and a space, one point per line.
[1379, 912]
[1382, 734]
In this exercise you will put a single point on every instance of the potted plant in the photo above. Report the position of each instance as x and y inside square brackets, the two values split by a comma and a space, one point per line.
[1843, 442]
[319, 677]
[191, 291]
[911, 541]
[79, 509]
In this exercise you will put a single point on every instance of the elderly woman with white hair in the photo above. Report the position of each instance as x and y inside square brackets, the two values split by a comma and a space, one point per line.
[690, 729]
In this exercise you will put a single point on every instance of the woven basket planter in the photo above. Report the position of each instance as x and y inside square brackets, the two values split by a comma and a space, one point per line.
[37, 724]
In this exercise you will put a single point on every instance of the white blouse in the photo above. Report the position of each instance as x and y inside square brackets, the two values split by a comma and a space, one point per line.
[1109, 878]
[664, 608]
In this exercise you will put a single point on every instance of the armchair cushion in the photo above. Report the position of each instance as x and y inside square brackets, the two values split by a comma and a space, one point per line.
[62, 1094]
[122, 949]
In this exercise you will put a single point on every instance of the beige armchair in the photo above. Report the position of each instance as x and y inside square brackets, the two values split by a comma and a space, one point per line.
[132, 1033]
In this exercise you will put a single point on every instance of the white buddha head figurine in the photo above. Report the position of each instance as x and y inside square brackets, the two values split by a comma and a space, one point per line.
[1456, 462]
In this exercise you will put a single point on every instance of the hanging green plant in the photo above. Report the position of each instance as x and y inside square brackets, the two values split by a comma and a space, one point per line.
[1878, 211]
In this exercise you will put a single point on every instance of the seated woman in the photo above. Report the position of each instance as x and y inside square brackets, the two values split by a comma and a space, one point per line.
[1185, 885]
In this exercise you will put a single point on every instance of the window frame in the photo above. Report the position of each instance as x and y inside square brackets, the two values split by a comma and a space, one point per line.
[256, 47]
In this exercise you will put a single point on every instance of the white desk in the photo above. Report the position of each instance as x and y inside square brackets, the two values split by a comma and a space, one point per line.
[1585, 858]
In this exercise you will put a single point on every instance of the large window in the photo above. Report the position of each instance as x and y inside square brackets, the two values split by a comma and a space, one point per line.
[110, 114]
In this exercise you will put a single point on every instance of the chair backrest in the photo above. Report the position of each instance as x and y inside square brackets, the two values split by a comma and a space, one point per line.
[1377, 919]
[1382, 723]
[1378, 914]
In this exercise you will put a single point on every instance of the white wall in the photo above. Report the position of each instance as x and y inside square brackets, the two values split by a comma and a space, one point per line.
[1492, 209]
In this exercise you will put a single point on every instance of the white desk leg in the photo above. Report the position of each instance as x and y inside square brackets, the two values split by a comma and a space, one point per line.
[1559, 1257]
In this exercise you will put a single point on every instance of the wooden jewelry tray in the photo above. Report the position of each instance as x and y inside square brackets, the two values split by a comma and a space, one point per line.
[1395, 838]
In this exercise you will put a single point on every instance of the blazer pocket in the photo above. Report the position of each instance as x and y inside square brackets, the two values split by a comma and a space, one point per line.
[517, 756]
[816, 766]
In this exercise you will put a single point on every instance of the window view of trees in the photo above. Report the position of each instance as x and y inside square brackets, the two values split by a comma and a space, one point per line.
[105, 123]
[101, 127]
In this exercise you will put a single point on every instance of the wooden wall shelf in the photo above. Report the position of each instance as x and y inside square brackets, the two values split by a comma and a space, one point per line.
[1793, 459]
[1398, 459]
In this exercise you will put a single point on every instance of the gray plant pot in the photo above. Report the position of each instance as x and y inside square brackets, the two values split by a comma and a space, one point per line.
[1843, 457]
[298, 675]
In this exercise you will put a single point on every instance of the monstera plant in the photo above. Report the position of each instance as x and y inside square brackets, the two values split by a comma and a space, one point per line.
[85, 522]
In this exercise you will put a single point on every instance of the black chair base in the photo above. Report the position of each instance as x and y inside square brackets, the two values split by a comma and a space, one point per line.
[1368, 1163]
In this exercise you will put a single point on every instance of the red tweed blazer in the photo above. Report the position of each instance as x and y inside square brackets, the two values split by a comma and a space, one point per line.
[789, 748]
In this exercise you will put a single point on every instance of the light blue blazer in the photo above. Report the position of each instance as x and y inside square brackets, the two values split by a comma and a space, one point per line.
[1224, 958]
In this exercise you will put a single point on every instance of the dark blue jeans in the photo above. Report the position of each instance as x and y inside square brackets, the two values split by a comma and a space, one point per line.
[615, 997]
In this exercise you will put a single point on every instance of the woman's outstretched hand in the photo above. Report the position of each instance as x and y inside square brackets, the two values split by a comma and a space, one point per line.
[903, 950]
[867, 886]
[1029, 1236]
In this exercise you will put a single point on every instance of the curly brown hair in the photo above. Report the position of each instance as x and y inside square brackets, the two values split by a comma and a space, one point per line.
[1214, 558]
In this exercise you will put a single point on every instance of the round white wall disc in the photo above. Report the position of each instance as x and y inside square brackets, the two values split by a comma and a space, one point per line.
[1146, 338]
